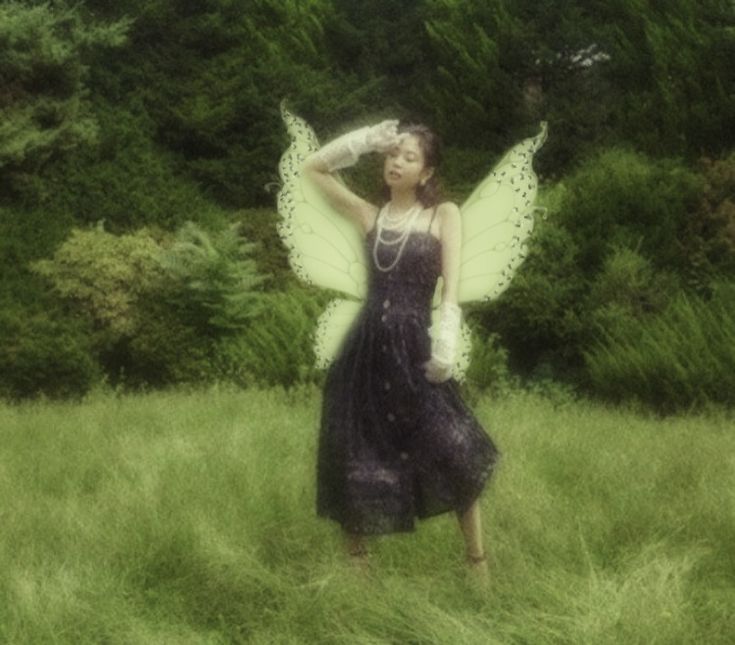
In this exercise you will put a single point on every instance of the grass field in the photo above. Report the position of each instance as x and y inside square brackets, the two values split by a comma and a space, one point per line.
[189, 518]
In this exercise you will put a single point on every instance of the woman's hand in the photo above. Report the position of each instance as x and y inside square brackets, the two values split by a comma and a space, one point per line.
[444, 346]
[436, 371]
[384, 136]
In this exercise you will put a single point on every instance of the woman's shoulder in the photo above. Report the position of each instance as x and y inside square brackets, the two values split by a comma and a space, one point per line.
[443, 205]
[448, 220]
[448, 213]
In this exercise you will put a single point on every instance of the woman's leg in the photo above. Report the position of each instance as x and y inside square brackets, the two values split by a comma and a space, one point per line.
[471, 526]
[356, 547]
[355, 544]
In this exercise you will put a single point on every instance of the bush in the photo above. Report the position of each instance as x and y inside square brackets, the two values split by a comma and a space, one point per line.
[488, 368]
[620, 198]
[626, 289]
[708, 241]
[538, 317]
[682, 357]
[277, 348]
[270, 253]
[42, 353]
[104, 275]
[610, 251]
[158, 308]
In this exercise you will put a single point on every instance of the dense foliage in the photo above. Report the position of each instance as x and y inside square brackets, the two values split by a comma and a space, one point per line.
[139, 143]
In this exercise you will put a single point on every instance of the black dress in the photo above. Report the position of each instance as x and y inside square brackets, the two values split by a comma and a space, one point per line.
[392, 445]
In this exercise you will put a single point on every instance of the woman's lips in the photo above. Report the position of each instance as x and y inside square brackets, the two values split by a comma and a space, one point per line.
[394, 174]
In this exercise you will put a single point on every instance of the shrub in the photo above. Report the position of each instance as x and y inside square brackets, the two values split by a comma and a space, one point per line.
[538, 317]
[210, 279]
[609, 251]
[620, 198]
[626, 289]
[681, 357]
[277, 348]
[270, 253]
[42, 353]
[104, 275]
[708, 242]
[158, 308]
[488, 368]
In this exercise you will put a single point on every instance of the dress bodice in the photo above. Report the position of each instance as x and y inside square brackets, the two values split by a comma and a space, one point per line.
[410, 284]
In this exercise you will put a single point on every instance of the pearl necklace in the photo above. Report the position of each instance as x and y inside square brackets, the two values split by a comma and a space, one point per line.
[388, 222]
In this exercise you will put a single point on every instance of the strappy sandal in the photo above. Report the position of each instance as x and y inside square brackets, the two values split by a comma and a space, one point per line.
[359, 559]
[360, 552]
[478, 570]
[476, 559]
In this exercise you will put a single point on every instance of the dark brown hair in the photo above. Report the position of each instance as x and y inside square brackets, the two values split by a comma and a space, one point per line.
[429, 194]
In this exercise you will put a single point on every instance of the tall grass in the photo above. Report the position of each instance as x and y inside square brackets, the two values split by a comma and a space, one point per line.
[189, 518]
[683, 357]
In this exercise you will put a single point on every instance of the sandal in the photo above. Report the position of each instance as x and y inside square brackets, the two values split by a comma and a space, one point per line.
[359, 560]
[358, 553]
[478, 570]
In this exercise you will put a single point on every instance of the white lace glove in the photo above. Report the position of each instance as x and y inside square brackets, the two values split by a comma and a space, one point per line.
[444, 351]
[344, 151]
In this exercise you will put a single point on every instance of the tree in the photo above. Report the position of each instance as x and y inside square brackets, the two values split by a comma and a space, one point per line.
[44, 107]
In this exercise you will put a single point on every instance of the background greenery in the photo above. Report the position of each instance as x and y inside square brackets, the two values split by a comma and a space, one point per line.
[138, 150]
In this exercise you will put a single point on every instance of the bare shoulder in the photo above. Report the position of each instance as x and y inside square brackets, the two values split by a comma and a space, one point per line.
[448, 209]
[449, 218]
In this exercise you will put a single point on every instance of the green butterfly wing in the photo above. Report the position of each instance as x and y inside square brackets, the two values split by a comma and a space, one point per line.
[325, 248]
[497, 219]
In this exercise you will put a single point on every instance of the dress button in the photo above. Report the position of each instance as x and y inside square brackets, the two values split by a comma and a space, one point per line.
[404, 456]
[384, 317]
[385, 347]
[386, 303]
[391, 416]
[387, 385]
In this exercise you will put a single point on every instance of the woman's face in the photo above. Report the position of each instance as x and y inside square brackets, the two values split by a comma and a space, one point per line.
[404, 164]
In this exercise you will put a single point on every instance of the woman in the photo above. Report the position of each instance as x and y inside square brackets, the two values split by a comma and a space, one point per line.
[396, 440]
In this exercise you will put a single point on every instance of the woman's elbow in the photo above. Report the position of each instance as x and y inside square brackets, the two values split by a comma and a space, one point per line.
[314, 164]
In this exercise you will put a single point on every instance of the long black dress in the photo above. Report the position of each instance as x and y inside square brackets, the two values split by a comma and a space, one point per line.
[392, 445]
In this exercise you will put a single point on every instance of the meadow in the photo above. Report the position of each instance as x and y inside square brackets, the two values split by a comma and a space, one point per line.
[188, 517]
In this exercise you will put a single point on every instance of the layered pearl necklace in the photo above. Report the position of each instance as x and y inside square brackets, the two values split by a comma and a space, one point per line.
[403, 224]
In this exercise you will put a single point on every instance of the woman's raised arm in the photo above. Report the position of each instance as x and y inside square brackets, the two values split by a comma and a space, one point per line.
[341, 153]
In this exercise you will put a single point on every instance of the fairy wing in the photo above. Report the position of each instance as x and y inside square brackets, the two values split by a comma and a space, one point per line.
[497, 219]
[332, 328]
[325, 248]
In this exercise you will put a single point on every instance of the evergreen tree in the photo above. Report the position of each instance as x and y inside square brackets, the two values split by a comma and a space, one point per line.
[44, 105]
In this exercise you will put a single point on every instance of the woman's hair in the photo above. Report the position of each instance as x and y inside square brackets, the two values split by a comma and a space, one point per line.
[429, 194]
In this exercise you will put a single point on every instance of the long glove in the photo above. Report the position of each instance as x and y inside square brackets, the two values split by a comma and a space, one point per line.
[344, 151]
[444, 350]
